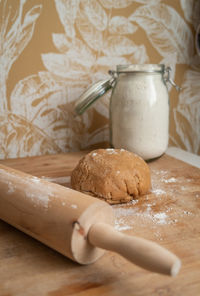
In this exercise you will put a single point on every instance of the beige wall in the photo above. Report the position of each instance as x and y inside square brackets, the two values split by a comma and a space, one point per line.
[51, 50]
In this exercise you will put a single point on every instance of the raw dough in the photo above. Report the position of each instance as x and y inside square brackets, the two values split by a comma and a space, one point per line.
[115, 175]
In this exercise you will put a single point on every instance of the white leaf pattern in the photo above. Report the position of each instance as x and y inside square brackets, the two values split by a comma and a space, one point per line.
[111, 61]
[61, 65]
[191, 10]
[95, 14]
[92, 36]
[187, 7]
[40, 99]
[31, 16]
[17, 43]
[187, 113]
[78, 52]
[191, 88]
[13, 40]
[139, 55]
[29, 93]
[19, 35]
[166, 30]
[154, 2]
[121, 25]
[61, 42]
[118, 46]
[116, 3]
[29, 138]
[67, 11]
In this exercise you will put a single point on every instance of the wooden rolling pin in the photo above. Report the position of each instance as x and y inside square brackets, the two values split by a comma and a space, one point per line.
[74, 224]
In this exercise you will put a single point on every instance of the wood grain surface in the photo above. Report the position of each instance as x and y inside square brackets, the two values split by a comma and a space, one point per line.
[168, 215]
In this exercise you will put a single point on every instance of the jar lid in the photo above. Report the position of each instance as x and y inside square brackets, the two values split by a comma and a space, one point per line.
[141, 68]
[94, 92]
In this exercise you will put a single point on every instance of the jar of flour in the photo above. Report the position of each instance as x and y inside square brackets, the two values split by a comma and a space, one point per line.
[139, 108]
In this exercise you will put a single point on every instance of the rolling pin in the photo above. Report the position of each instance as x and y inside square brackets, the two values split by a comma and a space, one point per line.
[74, 224]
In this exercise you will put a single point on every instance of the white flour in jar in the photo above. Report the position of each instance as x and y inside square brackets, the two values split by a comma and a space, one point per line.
[140, 111]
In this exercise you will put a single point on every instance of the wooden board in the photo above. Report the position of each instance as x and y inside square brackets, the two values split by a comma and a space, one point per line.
[169, 215]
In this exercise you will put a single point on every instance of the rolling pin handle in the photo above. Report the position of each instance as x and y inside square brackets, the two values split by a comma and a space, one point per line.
[141, 252]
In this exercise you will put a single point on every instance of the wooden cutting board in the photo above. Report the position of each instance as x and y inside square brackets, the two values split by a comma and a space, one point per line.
[169, 215]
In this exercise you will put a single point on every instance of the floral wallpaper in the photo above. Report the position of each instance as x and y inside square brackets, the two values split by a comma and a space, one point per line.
[51, 51]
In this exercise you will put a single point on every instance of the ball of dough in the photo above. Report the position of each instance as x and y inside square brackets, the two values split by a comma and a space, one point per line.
[114, 175]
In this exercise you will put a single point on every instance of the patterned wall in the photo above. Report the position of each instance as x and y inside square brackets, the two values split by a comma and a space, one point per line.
[50, 51]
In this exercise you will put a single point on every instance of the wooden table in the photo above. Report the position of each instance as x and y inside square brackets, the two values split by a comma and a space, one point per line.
[169, 215]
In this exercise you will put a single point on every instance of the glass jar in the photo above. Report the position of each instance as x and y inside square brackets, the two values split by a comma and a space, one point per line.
[139, 108]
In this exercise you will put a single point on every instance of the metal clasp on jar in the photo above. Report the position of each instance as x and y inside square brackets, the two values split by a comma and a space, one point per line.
[168, 78]
[114, 76]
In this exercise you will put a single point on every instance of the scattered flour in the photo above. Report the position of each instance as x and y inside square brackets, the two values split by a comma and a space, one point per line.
[38, 195]
[38, 198]
[11, 187]
[158, 191]
[73, 206]
[124, 217]
[171, 180]
[111, 151]
[121, 227]
[160, 218]
[35, 193]
[187, 213]
[133, 202]
[36, 179]
[160, 172]
[158, 211]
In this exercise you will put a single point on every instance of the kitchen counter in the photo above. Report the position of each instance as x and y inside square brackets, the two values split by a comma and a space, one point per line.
[185, 156]
[168, 215]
